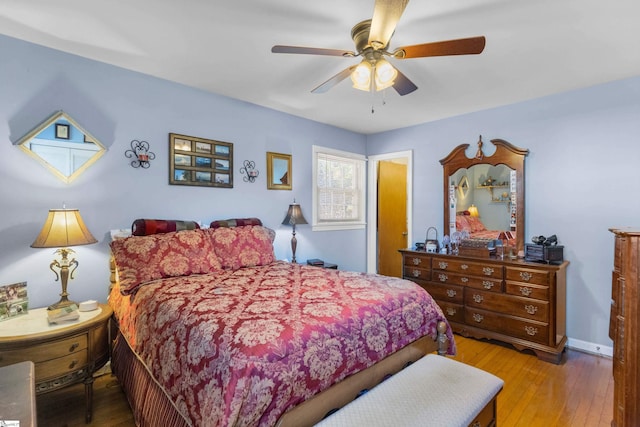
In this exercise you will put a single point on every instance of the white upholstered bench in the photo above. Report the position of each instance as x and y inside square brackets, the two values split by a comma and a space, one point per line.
[434, 391]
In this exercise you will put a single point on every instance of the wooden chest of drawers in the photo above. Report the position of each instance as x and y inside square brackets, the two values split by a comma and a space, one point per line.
[517, 302]
[623, 327]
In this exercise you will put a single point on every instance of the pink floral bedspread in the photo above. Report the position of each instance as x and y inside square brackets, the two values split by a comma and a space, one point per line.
[242, 347]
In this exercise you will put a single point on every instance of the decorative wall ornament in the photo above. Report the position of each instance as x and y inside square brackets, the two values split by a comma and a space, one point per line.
[249, 168]
[140, 153]
[200, 162]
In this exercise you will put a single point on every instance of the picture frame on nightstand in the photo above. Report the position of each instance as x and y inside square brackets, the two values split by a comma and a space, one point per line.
[13, 300]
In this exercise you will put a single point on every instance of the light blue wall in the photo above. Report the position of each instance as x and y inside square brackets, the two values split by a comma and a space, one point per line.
[582, 177]
[117, 106]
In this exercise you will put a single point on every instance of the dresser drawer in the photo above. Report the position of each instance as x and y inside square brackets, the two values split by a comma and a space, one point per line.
[526, 290]
[453, 312]
[527, 275]
[449, 293]
[413, 272]
[515, 327]
[482, 269]
[417, 260]
[511, 305]
[489, 284]
[62, 365]
[45, 351]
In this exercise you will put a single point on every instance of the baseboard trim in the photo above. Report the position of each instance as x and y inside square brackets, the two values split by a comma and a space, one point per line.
[589, 347]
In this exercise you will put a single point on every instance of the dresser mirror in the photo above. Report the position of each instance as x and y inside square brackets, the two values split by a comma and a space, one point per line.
[62, 146]
[487, 191]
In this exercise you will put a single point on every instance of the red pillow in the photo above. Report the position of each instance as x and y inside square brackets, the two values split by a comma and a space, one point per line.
[235, 222]
[245, 246]
[462, 224]
[475, 224]
[140, 259]
[146, 227]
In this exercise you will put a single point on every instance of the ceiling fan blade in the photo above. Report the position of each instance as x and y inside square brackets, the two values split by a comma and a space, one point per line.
[324, 87]
[470, 46]
[311, 51]
[386, 14]
[403, 85]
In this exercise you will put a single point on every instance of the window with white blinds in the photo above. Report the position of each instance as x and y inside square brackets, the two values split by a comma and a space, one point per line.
[338, 189]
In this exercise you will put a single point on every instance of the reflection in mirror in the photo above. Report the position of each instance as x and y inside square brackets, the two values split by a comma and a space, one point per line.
[494, 185]
[487, 188]
[62, 146]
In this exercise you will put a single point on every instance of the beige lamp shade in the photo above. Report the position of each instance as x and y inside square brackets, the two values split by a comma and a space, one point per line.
[473, 211]
[62, 228]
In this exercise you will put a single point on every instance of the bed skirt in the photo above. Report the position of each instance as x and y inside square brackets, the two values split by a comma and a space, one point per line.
[152, 407]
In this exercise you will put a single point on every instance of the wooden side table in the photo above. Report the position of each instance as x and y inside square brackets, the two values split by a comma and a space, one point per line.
[63, 354]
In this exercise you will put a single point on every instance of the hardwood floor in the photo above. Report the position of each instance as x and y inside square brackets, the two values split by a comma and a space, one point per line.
[578, 392]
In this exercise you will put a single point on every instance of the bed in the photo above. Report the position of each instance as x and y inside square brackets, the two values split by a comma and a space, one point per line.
[212, 330]
[477, 230]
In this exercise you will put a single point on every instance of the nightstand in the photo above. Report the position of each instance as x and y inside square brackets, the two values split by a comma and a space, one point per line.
[63, 354]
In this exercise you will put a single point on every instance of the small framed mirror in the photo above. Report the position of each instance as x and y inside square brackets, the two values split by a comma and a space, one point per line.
[278, 171]
[62, 146]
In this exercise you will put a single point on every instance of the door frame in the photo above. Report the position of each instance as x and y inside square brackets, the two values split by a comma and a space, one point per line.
[372, 203]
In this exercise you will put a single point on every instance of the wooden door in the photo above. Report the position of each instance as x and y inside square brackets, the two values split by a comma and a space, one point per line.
[392, 216]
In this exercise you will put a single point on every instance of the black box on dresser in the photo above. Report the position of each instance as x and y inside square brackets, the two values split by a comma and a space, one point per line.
[541, 253]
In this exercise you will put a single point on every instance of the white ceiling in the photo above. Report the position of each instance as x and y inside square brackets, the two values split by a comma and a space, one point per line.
[534, 48]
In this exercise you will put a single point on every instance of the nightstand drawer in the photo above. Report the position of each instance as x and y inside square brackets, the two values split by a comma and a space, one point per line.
[44, 352]
[61, 365]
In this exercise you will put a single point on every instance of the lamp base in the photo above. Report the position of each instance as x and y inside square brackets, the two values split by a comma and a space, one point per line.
[64, 302]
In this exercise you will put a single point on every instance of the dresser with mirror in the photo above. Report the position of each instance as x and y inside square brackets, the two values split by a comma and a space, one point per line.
[492, 294]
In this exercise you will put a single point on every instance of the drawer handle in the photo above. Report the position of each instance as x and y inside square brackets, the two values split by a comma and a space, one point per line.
[478, 298]
[476, 424]
[531, 309]
[478, 317]
[417, 261]
[73, 364]
[464, 266]
[416, 273]
[451, 293]
[73, 347]
[530, 330]
[487, 284]
[443, 265]
[525, 276]
[443, 277]
[525, 291]
[464, 279]
[488, 271]
[451, 311]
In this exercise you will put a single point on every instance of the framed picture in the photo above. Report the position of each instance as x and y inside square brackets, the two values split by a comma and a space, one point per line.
[13, 300]
[200, 162]
[463, 186]
[279, 171]
[62, 131]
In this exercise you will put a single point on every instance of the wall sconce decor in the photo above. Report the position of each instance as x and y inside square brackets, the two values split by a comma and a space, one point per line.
[140, 154]
[249, 168]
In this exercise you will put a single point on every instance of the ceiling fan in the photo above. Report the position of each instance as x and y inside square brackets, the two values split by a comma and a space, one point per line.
[371, 38]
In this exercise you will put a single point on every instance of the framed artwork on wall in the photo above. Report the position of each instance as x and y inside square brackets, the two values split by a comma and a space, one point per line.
[62, 131]
[278, 171]
[200, 162]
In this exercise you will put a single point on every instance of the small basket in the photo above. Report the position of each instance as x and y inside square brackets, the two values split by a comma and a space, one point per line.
[432, 245]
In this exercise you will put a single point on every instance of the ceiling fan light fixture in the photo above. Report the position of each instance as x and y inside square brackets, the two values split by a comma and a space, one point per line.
[361, 76]
[385, 74]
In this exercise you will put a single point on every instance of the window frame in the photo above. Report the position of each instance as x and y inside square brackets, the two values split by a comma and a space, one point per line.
[355, 224]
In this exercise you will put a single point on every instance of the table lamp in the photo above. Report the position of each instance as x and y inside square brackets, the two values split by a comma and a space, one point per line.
[63, 228]
[294, 216]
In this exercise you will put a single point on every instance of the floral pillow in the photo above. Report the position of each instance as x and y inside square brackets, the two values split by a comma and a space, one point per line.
[462, 224]
[140, 259]
[475, 224]
[245, 246]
